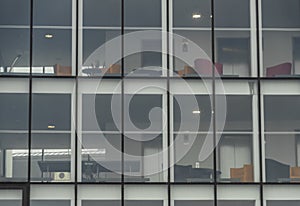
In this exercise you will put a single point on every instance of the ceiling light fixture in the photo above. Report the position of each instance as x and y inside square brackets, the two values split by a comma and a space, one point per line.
[48, 36]
[196, 16]
[196, 112]
[51, 126]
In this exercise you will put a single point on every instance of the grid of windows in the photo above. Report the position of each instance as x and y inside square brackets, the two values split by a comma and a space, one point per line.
[89, 115]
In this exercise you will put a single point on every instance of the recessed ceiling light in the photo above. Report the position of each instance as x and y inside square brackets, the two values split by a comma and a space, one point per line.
[196, 112]
[51, 126]
[48, 36]
[196, 16]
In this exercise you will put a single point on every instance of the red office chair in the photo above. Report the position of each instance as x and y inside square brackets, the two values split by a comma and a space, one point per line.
[204, 67]
[280, 69]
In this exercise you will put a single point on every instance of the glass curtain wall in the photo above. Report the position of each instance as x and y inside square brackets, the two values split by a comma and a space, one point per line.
[100, 105]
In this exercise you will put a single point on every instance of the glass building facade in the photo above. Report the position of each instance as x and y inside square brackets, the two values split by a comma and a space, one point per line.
[99, 105]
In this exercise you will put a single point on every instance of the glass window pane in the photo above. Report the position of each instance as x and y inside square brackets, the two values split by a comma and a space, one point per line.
[283, 202]
[97, 55]
[281, 112]
[280, 163]
[97, 112]
[52, 49]
[50, 203]
[226, 16]
[101, 158]
[102, 13]
[14, 107]
[142, 13]
[281, 53]
[192, 113]
[233, 53]
[14, 52]
[52, 13]
[188, 167]
[191, 13]
[101, 202]
[280, 13]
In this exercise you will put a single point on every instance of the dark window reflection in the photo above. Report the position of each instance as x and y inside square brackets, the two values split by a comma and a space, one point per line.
[50, 157]
[52, 13]
[143, 202]
[50, 202]
[227, 14]
[192, 13]
[236, 203]
[235, 158]
[101, 158]
[14, 51]
[14, 111]
[280, 13]
[189, 109]
[193, 203]
[97, 112]
[102, 13]
[143, 159]
[283, 202]
[144, 112]
[101, 202]
[234, 55]
[188, 168]
[282, 165]
[282, 112]
[14, 12]
[142, 13]
[52, 51]
[11, 202]
[51, 112]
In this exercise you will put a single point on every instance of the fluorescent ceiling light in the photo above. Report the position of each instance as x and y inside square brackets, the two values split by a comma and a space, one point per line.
[196, 16]
[196, 112]
[48, 36]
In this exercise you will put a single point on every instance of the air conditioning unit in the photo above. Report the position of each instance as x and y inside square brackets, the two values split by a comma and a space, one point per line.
[62, 176]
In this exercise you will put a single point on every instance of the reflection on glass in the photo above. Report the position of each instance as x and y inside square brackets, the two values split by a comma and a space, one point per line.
[192, 13]
[188, 167]
[147, 60]
[182, 46]
[281, 13]
[101, 202]
[236, 202]
[143, 202]
[93, 42]
[50, 157]
[226, 16]
[281, 112]
[143, 112]
[281, 53]
[52, 51]
[101, 158]
[192, 113]
[51, 137]
[50, 202]
[97, 112]
[142, 13]
[14, 51]
[14, 136]
[143, 160]
[20, 9]
[193, 203]
[108, 13]
[239, 113]
[52, 13]
[235, 158]
[282, 165]
[283, 202]
[233, 53]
